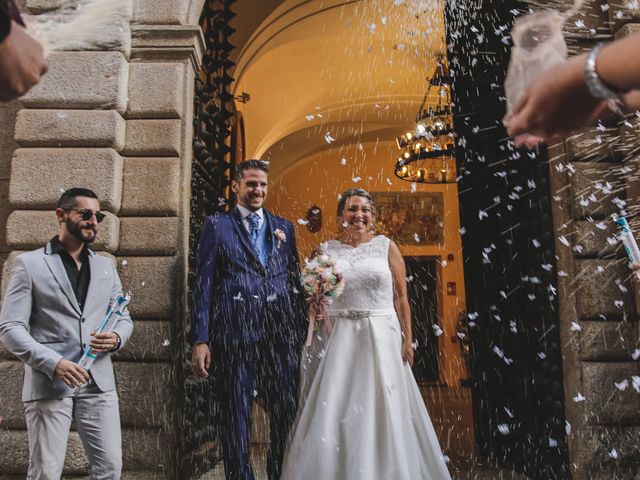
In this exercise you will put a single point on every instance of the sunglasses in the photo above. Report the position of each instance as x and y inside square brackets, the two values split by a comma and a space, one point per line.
[86, 214]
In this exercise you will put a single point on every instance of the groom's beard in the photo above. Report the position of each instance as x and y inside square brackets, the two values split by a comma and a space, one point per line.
[84, 234]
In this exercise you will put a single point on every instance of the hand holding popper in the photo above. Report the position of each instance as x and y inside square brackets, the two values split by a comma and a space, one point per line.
[114, 314]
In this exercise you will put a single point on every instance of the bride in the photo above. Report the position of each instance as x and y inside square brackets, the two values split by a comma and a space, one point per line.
[364, 417]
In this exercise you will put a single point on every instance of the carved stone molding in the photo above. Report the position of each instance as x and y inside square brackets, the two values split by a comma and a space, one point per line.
[168, 42]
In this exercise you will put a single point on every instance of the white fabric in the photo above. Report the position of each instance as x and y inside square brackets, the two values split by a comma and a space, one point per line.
[538, 45]
[245, 212]
[363, 417]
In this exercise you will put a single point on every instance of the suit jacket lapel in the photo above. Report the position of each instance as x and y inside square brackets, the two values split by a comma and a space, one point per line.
[54, 262]
[243, 234]
[270, 226]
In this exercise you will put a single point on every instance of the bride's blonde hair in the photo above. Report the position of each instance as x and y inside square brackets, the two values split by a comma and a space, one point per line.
[356, 192]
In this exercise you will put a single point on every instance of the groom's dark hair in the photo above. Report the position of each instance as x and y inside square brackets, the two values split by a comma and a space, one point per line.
[249, 165]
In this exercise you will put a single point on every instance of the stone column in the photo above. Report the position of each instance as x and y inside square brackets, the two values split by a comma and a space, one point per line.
[120, 123]
[590, 180]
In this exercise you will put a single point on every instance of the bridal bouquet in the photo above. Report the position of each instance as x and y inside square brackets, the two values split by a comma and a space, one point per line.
[321, 281]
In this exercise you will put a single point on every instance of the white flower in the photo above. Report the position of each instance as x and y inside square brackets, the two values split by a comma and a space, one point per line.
[280, 237]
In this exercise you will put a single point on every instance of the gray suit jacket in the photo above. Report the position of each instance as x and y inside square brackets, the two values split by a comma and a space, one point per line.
[41, 322]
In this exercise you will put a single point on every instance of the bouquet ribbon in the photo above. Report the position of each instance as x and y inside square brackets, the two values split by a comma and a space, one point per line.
[317, 307]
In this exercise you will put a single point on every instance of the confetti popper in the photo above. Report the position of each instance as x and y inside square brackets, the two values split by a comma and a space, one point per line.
[114, 314]
[629, 242]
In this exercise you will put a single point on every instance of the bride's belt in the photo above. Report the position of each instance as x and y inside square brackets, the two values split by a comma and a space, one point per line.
[358, 314]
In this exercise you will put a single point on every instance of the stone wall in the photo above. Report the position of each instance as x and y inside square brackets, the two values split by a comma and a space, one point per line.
[590, 176]
[118, 122]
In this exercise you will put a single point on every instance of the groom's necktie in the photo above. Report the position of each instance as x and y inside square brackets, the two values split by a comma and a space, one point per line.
[254, 227]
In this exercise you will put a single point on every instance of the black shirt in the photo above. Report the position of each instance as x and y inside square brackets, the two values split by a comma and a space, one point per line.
[79, 279]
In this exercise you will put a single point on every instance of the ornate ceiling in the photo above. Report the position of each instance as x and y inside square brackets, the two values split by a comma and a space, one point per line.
[325, 73]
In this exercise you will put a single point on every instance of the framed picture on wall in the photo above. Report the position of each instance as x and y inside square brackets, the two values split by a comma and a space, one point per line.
[410, 218]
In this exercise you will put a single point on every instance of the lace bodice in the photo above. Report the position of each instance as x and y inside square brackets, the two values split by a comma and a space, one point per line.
[367, 278]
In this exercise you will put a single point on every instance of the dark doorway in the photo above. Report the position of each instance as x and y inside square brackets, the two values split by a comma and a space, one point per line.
[421, 272]
[510, 264]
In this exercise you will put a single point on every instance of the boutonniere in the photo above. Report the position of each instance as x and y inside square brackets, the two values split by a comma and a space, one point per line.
[280, 237]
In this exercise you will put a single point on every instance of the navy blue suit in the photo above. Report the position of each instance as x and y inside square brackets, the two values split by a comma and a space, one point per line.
[253, 318]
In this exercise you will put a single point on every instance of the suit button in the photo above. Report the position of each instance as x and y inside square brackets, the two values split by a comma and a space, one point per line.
[84, 345]
[82, 319]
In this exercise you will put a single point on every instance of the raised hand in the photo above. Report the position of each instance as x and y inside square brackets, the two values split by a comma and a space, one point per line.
[22, 63]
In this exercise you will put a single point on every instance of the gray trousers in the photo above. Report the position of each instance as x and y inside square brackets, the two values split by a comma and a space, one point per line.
[97, 420]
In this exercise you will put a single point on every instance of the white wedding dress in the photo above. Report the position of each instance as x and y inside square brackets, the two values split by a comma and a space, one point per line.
[363, 416]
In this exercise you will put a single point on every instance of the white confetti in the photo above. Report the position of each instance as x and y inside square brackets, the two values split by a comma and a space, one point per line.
[575, 327]
[579, 398]
[301, 221]
[503, 428]
[437, 330]
[328, 138]
[623, 385]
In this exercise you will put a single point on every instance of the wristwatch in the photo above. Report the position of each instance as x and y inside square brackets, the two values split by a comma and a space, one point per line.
[597, 87]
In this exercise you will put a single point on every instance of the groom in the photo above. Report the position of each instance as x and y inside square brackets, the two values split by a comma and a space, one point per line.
[249, 318]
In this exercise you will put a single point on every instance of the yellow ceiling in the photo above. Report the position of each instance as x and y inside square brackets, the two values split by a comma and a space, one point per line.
[324, 73]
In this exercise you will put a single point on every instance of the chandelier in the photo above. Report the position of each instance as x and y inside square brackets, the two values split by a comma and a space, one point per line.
[427, 154]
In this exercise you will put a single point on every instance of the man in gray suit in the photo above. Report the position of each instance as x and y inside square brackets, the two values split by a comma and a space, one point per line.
[56, 298]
